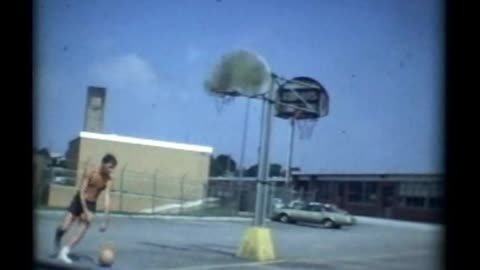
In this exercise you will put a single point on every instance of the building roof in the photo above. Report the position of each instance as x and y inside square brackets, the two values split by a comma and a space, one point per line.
[139, 141]
[345, 178]
[245, 179]
[369, 177]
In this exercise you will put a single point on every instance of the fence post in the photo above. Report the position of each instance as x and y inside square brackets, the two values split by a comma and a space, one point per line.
[181, 194]
[237, 198]
[43, 192]
[204, 198]
[291, 193]
[122, 176]
[270, 199]
[154, 192]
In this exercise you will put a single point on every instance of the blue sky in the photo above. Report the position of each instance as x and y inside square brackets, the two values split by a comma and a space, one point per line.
[381, 62]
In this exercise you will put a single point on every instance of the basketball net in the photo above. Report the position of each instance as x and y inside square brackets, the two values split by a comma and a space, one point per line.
[305, 126]
[221, 101]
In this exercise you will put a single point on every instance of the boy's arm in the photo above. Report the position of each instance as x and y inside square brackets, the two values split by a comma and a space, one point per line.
[107, 202]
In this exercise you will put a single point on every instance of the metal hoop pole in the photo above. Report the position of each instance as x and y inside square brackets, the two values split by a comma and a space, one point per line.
[290, 152]
[263, 166]
[245, 132]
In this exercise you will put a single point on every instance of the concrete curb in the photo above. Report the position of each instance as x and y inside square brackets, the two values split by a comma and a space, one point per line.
[140, 216]
[359, 219]
[397, 223]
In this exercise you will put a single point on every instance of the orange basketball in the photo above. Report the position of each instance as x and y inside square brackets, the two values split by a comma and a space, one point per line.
[106, 256]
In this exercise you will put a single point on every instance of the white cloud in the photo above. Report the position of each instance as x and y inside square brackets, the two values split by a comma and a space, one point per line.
[128, 73]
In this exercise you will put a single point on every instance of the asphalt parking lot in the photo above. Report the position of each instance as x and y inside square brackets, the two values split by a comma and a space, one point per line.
[189, 244]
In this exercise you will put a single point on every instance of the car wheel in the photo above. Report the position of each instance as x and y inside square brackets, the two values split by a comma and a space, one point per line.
[284, 218]
[328, 223]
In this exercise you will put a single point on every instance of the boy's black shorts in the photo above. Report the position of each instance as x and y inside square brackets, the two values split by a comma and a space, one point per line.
[76, 206]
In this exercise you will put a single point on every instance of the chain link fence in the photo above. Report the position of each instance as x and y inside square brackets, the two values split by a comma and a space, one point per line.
[155, 194]
[132, 192]
[144, 193]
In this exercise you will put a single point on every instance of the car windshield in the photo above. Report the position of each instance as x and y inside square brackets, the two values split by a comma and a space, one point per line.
[297, 205]
[333, 209]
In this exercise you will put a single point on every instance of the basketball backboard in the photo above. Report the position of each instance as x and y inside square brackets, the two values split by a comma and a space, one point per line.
[301, 92]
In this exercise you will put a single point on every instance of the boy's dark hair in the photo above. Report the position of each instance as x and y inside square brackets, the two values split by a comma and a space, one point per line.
[109, 158]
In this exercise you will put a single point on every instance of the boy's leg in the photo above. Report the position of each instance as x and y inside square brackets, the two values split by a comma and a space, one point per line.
[62, 229]
[83, 227]
[75, 211]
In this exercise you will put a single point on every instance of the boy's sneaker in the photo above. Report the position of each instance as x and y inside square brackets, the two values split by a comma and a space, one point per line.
[63, 255]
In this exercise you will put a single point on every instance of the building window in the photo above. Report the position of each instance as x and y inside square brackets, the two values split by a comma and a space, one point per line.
[418, 202]
[364, 192]
[355, 191]
[370, 194]
[322, 193]
[415, 189]
[436, 190]
[435, 203]
[420, 195]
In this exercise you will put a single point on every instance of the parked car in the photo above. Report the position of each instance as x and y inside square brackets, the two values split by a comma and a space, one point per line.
[297, 204]
[62, 176]
[64, 180]
[278, 203]
[328, 215]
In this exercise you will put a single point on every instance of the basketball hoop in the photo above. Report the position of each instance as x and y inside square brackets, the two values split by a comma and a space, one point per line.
[239, 73]
[222, 101]
[306, 127]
